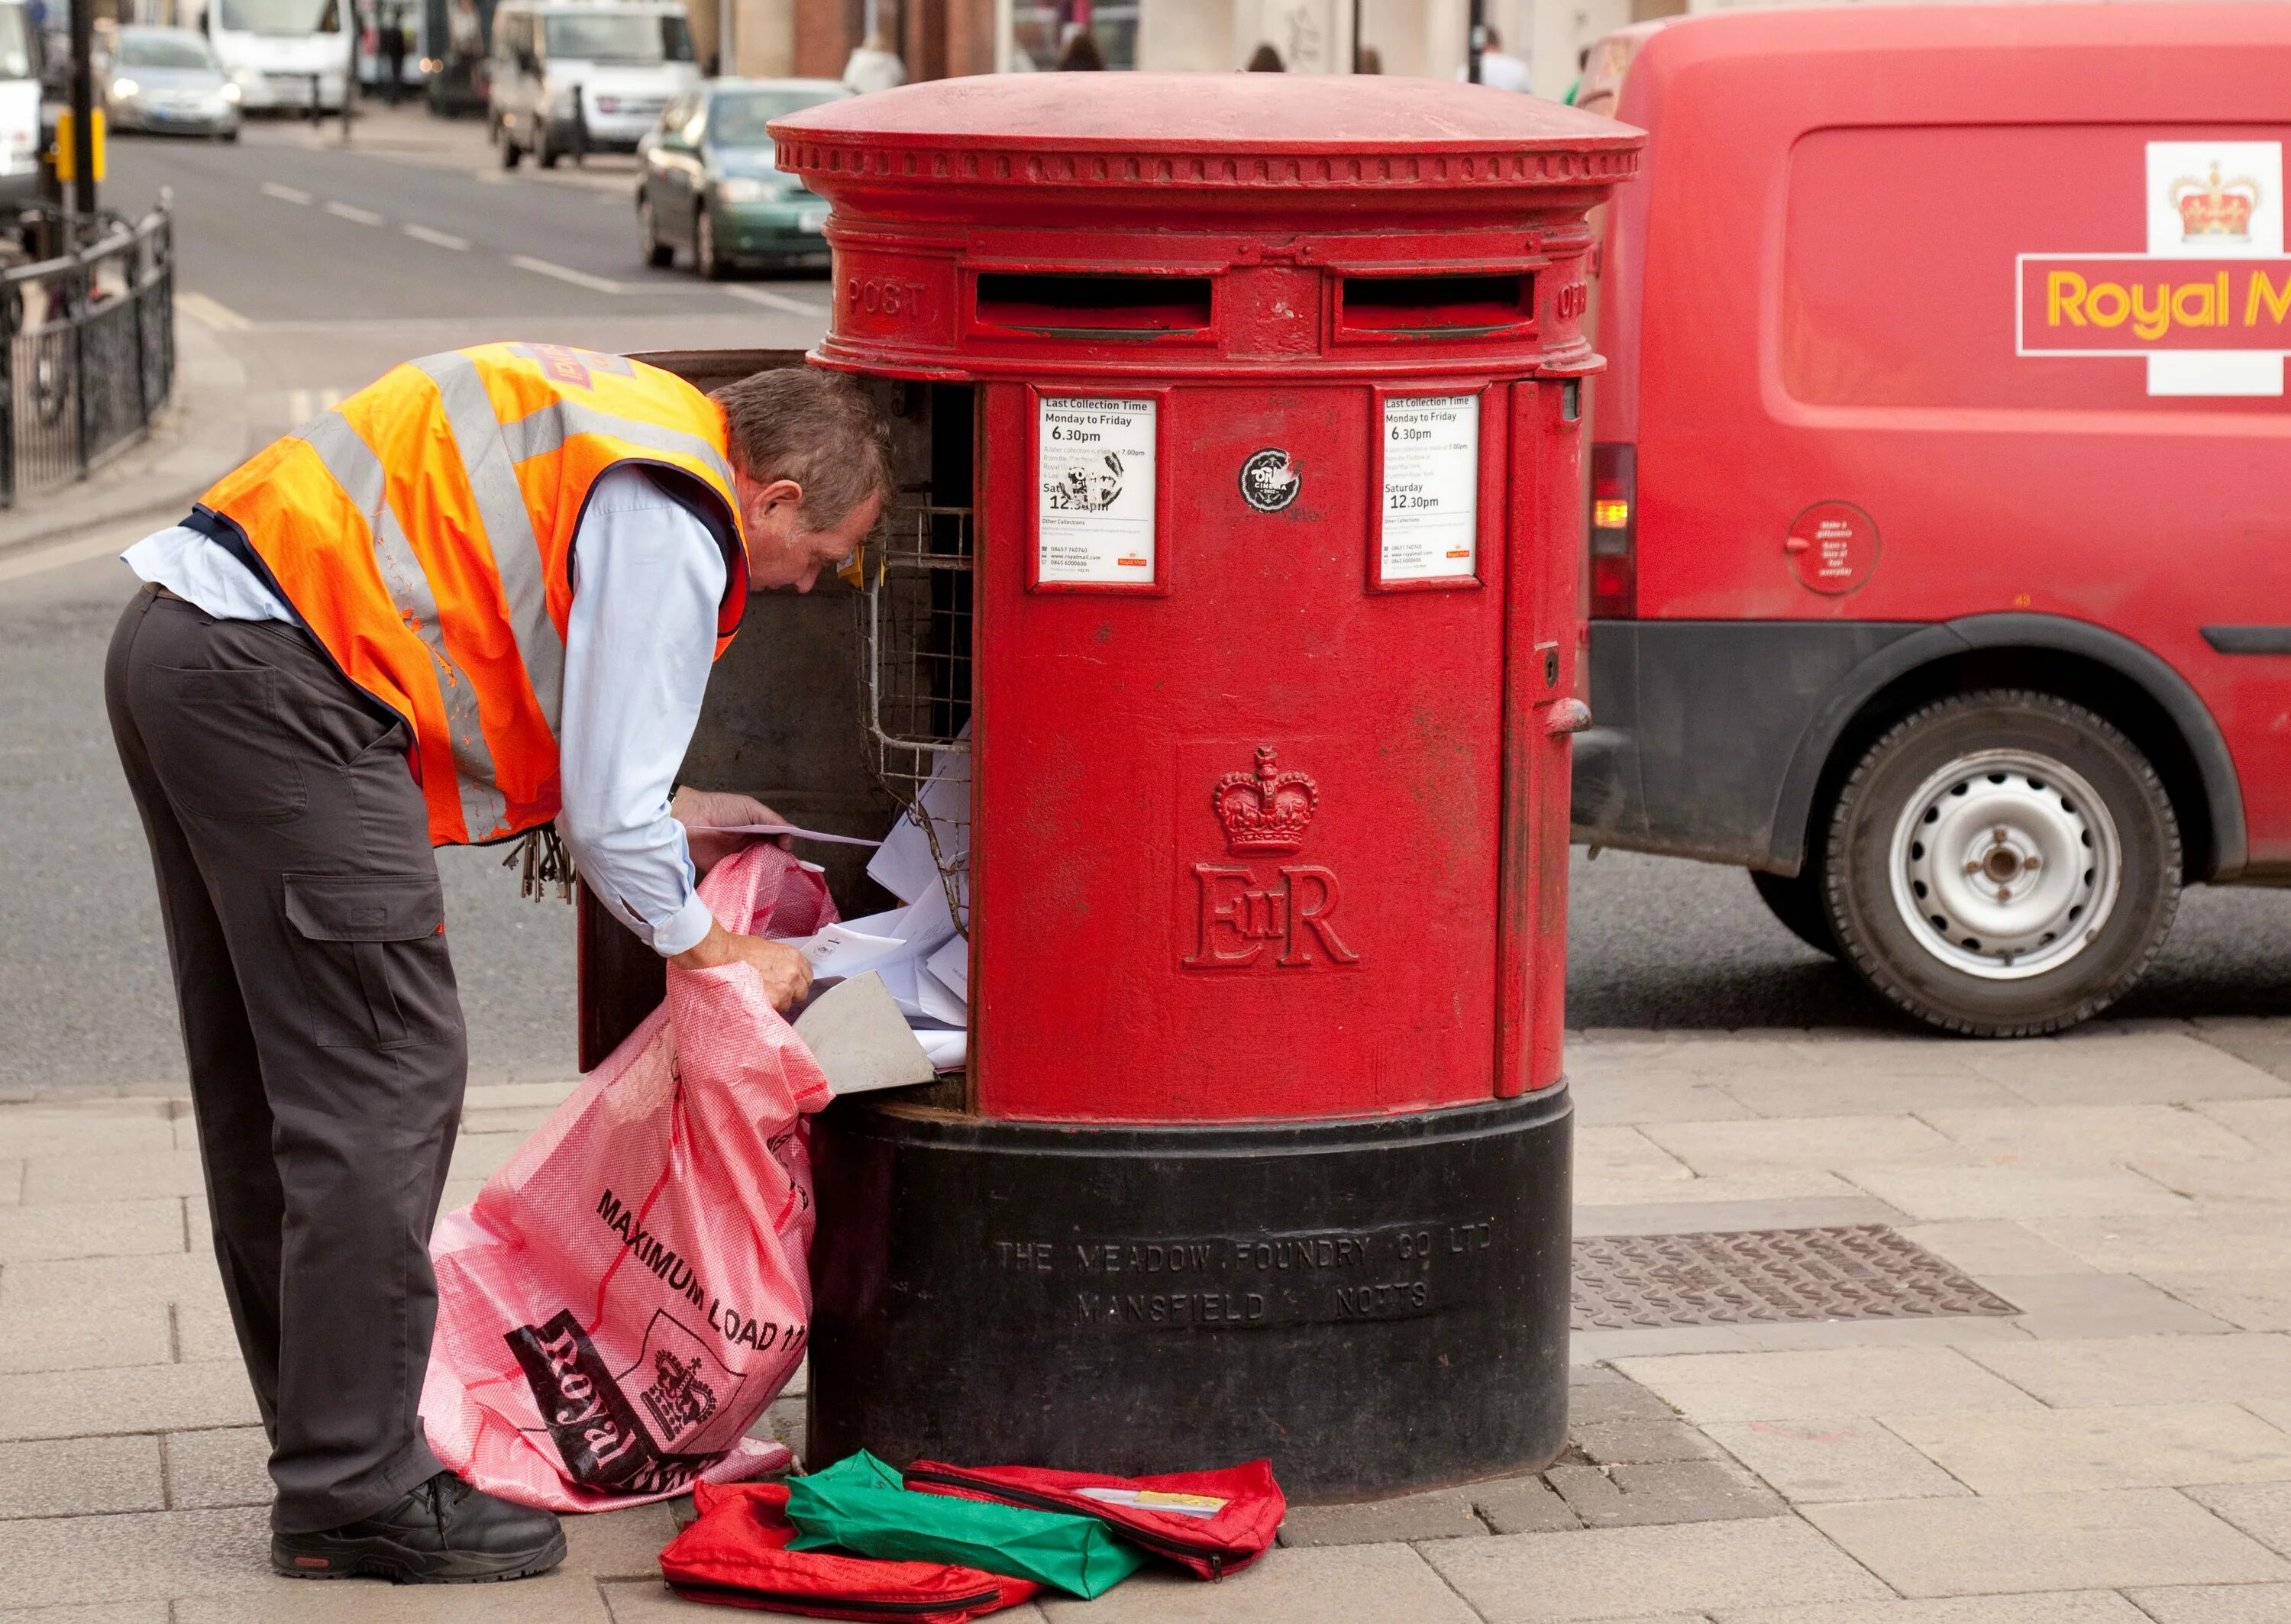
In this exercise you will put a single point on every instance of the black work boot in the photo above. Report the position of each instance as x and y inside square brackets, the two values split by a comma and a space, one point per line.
[440, 1532]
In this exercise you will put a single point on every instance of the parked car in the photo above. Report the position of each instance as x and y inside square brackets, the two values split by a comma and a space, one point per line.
[580, 75]
[168, 79]
[709, 184]
[1941, 568]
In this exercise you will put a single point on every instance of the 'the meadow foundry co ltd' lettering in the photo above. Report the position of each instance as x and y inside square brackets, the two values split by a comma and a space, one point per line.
[1391, 1272]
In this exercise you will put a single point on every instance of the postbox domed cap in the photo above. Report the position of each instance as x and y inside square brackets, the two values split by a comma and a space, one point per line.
[1196, 134]
[1220, 113]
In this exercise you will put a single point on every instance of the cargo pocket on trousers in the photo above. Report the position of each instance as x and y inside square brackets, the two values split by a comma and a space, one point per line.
[374, 961]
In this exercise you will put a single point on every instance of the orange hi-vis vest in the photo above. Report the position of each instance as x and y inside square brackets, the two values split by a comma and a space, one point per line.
[423, 530]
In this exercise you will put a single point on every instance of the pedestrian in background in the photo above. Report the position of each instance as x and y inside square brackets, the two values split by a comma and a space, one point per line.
[1265, 59]
[874, 64]
[1497, 67]
[1082, 55]
[1370, 61]
[393, 51]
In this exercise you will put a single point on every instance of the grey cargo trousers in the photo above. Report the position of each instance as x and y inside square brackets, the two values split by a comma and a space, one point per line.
[305, 925]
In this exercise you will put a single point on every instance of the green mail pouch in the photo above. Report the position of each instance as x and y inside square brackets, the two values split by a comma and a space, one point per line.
[857, 1505]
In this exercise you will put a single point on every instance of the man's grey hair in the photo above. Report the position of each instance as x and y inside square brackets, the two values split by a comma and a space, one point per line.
[814, 427]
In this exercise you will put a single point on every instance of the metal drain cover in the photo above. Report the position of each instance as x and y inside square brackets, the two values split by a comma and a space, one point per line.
[1749, 1276]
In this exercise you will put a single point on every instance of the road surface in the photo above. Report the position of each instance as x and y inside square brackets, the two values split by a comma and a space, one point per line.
[320, 267]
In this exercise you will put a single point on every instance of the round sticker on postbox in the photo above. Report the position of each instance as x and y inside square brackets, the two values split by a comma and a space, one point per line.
[1832, 547]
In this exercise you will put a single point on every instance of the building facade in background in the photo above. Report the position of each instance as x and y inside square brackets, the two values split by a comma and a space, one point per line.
[939, 38]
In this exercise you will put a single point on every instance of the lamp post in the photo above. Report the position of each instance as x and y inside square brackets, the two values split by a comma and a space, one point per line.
[82, 107]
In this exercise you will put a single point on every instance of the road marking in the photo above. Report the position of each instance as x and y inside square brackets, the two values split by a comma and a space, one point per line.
[565, 273]
[302, 404]
[343, 210]
[437, 239]
[44, 558]
[284, 194]
[778, 301]
[211, 313]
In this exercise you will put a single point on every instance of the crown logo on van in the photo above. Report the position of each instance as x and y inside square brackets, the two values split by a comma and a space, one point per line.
[1267, 809]
[2212, 211]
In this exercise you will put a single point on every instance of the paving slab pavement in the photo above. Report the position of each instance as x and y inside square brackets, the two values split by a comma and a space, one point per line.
[2117, 1449]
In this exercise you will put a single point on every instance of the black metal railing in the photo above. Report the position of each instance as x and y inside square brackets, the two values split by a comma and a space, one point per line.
[89, 348]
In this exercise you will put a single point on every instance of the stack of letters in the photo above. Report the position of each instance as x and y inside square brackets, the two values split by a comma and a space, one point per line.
[923, 957]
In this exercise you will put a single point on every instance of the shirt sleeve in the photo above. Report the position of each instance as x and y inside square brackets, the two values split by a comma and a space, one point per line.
[647, 580]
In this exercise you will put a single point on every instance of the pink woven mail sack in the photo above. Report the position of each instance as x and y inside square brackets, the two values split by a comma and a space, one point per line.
[630, 1290]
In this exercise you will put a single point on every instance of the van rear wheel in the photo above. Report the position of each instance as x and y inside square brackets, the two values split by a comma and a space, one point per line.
[2002, 864]
[1797, 901]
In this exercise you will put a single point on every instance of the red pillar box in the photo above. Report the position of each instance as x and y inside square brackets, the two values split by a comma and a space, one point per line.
[1263, 396]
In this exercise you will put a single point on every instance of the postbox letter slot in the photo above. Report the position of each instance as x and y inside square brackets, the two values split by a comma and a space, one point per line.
[1094, 306]
[1436, 306]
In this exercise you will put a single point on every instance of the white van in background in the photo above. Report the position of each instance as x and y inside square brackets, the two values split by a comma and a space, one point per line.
[19, 106]
[274, 50]
[584, 75]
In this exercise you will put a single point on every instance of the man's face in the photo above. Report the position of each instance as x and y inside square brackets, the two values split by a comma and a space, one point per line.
[781, 552]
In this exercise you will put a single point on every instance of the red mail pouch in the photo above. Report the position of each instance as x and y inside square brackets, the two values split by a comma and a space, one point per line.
[1214, 1523]
[736, 1553]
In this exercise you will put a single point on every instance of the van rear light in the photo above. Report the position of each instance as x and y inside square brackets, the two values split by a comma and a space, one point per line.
[1614, 532]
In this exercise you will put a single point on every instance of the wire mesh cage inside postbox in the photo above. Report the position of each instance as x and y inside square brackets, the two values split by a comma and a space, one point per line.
[916, 677]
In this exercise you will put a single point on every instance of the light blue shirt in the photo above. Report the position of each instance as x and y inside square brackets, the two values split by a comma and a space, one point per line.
[647, 579]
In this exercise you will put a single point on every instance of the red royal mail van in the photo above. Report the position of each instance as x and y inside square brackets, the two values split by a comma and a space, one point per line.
[1941, 541]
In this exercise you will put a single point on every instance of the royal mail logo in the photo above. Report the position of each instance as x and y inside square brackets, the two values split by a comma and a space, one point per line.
[2096, 306]
[2207, 303]
[1240, 912]
[2213, 208]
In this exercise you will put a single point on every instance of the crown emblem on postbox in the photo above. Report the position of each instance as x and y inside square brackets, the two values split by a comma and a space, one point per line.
[2209, 209]
[1267, 809]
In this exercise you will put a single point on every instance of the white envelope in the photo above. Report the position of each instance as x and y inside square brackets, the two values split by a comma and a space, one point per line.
[947, 1049]
[903, 865]
[839, 950]
[951, 965]
[928, 923]
[937, 1002]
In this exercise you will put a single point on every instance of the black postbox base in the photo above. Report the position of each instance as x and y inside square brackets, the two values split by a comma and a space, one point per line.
[1376, 1305]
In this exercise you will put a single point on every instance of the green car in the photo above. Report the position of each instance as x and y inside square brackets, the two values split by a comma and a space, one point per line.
[709, 185]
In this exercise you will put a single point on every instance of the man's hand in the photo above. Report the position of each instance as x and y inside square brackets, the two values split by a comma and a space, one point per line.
[701, 811]
[786, 973]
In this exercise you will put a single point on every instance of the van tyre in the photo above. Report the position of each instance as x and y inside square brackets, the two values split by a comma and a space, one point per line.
[1798, 902]
[2002, 864]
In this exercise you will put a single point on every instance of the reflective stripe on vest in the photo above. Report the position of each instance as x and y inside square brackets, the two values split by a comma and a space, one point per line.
[423, 530]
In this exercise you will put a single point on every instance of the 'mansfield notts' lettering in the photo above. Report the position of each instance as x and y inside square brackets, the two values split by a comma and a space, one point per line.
[2144, 304]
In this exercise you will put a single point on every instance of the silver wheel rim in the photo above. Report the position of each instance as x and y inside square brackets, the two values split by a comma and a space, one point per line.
[705, 240]
[2005, 865]
[645, 231]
